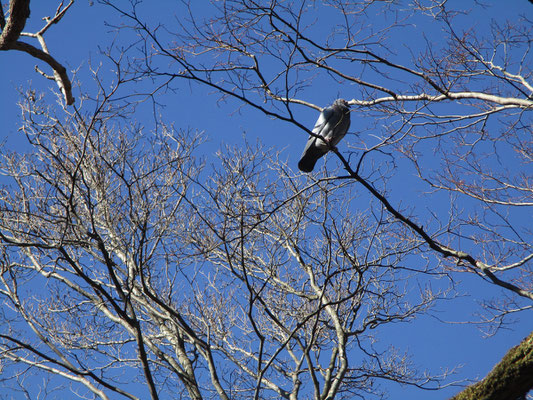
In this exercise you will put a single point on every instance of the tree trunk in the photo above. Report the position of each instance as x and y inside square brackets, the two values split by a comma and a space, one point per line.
[510, 379]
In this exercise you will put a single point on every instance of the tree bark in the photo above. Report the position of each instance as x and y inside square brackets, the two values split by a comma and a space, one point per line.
[11, 29]
[19, 11]
[510, 379]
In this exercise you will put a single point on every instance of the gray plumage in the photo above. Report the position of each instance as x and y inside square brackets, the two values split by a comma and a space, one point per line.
[331, 126]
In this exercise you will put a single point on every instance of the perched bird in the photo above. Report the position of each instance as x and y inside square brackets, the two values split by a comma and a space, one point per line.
[331, 126]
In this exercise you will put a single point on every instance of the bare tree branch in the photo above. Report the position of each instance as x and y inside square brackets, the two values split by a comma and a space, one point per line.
[18, 13]
[235, 276]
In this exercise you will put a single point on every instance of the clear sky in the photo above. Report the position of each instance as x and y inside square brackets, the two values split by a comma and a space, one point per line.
[76, 41]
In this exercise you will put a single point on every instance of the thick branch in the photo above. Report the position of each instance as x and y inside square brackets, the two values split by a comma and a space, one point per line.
[60, 72]
[506, 101]
[19, 11]
[510, 379]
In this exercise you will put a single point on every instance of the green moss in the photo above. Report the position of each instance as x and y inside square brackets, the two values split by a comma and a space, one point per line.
[510, 379]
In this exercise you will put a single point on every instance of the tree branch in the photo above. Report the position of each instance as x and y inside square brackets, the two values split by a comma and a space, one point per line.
[60, 72]
[19, 11]
[445, 251]
[506, 101]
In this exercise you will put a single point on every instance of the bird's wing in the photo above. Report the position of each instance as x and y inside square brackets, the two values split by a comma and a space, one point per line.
[338, 131]
[321, 129]
[336, 126]
[323, 119]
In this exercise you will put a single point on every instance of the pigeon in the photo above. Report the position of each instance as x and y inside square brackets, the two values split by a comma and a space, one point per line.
[331, 126]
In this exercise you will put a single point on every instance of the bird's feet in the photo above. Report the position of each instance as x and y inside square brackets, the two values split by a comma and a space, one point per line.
[331, 146]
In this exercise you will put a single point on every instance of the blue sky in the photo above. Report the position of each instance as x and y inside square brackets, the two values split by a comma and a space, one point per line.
[76, 41]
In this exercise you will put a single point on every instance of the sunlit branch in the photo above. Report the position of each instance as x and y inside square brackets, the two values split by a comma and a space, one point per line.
[12, 30]
[505, 101]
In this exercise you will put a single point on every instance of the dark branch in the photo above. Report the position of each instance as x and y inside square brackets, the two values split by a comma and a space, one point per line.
[60, 72]
[19, 11]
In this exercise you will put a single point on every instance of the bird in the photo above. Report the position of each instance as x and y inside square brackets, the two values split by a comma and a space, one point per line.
[330, 128]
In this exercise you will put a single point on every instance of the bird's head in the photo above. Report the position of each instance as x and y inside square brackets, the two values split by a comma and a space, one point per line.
[341, 103]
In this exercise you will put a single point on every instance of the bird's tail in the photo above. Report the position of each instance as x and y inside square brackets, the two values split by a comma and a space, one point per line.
[309, 159]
